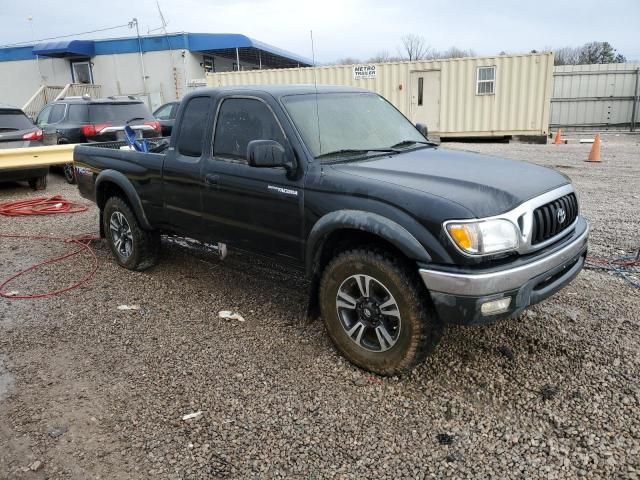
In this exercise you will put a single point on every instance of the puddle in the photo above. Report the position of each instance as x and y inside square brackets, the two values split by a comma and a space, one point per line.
[6, 380]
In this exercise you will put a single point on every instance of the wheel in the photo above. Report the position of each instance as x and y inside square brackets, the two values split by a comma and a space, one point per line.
[67, 169]
[38, 183]
[133, 247]
[69, 173]
[376, 312]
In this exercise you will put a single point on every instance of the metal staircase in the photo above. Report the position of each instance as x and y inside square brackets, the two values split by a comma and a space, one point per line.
[50, 93]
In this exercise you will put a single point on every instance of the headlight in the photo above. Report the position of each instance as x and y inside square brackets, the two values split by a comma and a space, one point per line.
[484, 237]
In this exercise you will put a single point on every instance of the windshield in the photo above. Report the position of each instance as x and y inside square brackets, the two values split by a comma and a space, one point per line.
[349, 122]
[14, 120]
[118, 112]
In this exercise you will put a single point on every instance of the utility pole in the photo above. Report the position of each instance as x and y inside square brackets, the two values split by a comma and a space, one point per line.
[144, 74]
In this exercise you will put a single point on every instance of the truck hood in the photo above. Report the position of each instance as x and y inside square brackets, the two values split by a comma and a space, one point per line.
[484, 185]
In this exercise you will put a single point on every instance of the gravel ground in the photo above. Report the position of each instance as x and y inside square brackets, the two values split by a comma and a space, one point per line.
[90, 391]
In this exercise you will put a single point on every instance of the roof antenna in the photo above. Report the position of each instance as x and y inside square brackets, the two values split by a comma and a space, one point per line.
[315, 86]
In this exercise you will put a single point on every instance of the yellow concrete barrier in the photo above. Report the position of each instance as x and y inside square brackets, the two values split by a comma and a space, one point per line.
[11, 158]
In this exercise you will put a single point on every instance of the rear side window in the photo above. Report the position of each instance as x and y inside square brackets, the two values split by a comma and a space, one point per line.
[164, 112]
[119, 113]
[240, 121]
[57, 113]
[192, 127]
[77, 114]
[14, 120]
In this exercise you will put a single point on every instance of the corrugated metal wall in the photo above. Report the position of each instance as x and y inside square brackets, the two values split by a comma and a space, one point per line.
[519, 106]
[594, 95]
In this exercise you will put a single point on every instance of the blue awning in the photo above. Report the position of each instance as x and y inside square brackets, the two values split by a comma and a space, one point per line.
[210, 42]
[69, 48]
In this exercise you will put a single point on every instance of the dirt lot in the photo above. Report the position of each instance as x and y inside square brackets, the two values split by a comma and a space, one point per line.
[90, 391]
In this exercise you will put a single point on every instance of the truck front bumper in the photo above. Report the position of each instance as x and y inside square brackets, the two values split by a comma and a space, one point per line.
[459, 295]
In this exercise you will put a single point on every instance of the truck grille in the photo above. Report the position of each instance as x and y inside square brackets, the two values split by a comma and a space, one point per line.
[546, 221]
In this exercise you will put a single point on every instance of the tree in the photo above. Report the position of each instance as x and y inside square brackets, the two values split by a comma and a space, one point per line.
[414, 47]
[599, 52]
[347, 61]
[566, 56]
[454, 52]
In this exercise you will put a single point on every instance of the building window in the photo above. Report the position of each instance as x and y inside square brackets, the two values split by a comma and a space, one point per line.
[420, 90]
[208, 64]
[485, 81]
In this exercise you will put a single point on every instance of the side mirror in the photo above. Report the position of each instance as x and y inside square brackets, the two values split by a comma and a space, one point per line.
[422, 128]
[267, 154]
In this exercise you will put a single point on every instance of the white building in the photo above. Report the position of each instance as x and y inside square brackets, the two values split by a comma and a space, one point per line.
[158, 68]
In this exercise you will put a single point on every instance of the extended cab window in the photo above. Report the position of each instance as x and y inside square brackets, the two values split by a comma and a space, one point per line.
[192, 127]
[240, 121]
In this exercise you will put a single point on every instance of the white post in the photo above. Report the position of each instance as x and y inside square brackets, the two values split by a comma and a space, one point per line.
[238, 58]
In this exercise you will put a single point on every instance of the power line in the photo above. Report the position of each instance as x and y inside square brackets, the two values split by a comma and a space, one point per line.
[63, 36]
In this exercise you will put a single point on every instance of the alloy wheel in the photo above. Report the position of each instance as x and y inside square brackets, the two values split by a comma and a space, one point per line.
[121, 234]
[368, 313]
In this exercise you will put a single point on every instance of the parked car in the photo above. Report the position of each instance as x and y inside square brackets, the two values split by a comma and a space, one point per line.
[85, 119]
[166, 115]
[397, 237]
[18, 131]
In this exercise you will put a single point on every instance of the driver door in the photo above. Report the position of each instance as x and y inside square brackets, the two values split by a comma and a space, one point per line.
[250, 208]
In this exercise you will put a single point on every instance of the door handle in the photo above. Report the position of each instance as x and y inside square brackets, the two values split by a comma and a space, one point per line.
[211, 179]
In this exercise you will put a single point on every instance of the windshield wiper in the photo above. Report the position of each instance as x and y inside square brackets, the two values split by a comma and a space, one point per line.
[356, 151]
[406, 143]
[134, 119]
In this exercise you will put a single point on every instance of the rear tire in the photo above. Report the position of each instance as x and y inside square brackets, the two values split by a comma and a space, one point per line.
[38, 183]
[132, 246]
[377, 313]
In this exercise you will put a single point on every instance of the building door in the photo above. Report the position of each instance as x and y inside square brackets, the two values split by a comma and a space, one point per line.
[425, 99]
[81, 72]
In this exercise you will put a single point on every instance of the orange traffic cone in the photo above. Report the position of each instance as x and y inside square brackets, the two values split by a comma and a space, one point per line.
[594, 154]
[558, 139]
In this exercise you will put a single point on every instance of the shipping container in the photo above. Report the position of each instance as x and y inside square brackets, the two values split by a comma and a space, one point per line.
[499, 96]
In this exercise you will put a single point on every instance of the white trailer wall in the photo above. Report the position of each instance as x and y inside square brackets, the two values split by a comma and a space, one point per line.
[519, 104]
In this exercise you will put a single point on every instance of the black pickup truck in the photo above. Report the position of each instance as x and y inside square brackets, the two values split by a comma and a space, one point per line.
[398, 237]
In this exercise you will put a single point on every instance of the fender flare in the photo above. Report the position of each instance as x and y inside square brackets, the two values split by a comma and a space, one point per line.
[369, 222]
[129, 190]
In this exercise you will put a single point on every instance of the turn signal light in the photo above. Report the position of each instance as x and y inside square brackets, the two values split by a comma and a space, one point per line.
[37, 135]
[464, 235]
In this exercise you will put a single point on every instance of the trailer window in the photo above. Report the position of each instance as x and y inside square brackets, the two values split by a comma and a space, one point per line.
[194, 120]
[420, 90]
[485, 81]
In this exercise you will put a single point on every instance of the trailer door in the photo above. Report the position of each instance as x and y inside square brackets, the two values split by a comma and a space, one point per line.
[425, 99]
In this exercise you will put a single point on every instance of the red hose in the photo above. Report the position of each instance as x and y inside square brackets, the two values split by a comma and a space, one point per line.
[40, 206]
[80, 240]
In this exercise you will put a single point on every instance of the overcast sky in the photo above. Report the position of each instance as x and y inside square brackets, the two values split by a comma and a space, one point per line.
[348, 28]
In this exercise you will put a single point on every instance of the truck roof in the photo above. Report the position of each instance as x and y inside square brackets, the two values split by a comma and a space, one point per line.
[281, 90]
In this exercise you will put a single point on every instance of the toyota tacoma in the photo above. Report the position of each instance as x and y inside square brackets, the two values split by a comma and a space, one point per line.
[398, 237]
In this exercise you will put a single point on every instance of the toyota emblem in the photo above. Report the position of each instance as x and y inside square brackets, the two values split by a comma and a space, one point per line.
[561, 215]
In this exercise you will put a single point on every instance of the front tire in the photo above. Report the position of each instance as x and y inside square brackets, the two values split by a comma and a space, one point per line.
[132, 246]
[69, 173]
[376, 313]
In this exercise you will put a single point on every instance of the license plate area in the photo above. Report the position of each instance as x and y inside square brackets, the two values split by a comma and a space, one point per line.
[120, 135]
